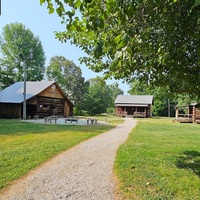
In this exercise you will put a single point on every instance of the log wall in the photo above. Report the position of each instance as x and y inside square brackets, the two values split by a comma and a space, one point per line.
[50, 106]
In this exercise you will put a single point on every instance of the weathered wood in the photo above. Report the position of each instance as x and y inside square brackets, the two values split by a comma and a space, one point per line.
[121, 114]
[192, 115]
[50, 106]
[139, 114]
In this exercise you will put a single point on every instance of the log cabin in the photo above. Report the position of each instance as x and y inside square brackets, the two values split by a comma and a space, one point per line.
[134, 106]
[44, 98]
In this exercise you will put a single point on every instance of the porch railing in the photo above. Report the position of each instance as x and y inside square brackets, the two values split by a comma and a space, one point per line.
[121, 113]
[139, 114]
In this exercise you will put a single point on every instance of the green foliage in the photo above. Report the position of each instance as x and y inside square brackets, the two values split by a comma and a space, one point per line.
[114, 91]
[139, 88]
[69, 77]
[16, 39]
[160, 160]
[98, 98]
[155, 41]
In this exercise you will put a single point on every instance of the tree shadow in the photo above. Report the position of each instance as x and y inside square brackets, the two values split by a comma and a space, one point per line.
[189, 160]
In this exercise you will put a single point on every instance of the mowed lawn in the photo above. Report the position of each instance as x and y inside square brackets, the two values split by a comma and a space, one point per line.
[160, 161]
[23, 146]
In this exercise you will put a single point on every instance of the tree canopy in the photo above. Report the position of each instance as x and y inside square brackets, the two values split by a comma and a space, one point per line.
[157, 41]
[98, 97]
[17, 40]
[69, 77]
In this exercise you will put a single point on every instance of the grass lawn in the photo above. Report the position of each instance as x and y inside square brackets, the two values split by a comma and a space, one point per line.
[160, 160]
[23, 146]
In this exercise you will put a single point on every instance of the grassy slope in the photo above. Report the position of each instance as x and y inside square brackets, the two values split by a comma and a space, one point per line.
[24, 146]
[160, 160]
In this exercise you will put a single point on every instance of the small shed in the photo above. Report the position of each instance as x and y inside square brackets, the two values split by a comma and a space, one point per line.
[134, 105]
[188, 114]
[43, 98]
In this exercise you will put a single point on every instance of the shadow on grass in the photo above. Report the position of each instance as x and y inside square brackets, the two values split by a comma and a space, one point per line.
[189, 160]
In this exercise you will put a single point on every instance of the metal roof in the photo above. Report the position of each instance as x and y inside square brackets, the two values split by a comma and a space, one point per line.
[14, 93]
[134, 99]
[131, 104]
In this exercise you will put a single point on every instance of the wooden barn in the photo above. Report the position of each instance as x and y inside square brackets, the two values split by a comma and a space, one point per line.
[188, 114]
[134, 105]
[43, 98]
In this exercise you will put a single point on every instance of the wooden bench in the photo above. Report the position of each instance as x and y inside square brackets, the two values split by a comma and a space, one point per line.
[71, 119]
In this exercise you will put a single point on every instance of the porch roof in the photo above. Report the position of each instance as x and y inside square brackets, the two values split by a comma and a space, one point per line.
[131, 105]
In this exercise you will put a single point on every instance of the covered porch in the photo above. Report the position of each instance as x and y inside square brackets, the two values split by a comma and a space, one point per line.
[133, 111]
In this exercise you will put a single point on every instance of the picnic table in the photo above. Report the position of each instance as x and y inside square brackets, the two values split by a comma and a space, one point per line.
[91, 120]
[51, 118]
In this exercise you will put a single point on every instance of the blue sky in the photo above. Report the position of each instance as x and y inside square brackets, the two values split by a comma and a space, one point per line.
[37, 19]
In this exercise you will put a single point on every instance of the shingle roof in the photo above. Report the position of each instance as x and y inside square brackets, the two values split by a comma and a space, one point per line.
[14, 93]
[134, 99]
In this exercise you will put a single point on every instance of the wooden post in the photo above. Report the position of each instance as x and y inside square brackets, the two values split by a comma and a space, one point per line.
[150, 110]
[168, 107]
[176, 113]
[194, 114]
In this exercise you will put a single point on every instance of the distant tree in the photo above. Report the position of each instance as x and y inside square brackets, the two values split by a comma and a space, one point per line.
[98, 98]
[114, 91]
[17, 40]
[69, 77]
[138, 87]
[153, 40]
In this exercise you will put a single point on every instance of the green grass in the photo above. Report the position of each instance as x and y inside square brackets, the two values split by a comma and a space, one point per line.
[160, 160]
[23, 146]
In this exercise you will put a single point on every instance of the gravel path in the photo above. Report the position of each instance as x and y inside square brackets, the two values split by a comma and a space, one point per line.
[83, 172]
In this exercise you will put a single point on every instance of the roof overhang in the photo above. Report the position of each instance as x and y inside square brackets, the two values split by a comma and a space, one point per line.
[131, 105]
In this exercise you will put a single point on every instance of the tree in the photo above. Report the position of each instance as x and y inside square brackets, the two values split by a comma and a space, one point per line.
[17, 40]
[139, 88]
[98, 98]
[69, 77]
[157, 41]
[114, 91]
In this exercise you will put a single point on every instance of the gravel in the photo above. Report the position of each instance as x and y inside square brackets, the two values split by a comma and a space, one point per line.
[83, 172]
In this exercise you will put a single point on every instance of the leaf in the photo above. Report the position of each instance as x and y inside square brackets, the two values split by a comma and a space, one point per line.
[42, 1]
[51, 10]
[59, 12]
[117, 39]
[78, 4]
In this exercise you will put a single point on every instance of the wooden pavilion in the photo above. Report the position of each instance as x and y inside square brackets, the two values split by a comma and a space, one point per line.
[191, 113]
[44, 98]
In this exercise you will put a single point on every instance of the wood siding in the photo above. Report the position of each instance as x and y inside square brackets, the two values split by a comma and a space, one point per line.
[50, 106]
[10, 110]
[53, 92]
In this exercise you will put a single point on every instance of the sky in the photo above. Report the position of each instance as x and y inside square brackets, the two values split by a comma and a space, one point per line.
[36, 18]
